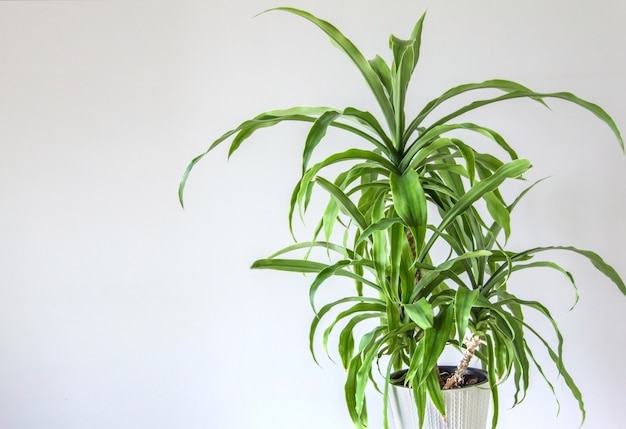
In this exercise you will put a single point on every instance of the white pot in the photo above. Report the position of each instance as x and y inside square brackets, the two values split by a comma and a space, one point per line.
[466, 408]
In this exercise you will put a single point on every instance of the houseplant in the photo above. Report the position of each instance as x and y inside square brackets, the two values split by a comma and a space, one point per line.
[418, 220]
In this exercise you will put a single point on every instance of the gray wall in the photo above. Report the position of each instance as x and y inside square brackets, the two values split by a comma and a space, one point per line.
[120, 310]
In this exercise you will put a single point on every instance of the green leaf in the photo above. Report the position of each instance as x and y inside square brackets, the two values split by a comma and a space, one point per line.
[499, 212]
[463, 303]
[435, 392]
[304, 266]
[512, 169]
[302, 191]
[547, 264]
[368, 120]
[388, 382]
[410, 203]
[329, 307]
[316, 134]
[400, 78]
[493, 381]
[420, 398]
[364, 372]
[380, 250]
[324, 275]
[346, 337]
[398, 242]
[421, 313]
[597, 262]
[383, 72]
[446, 270]
[470, 159]
[292, 265]
[494, 231]
[344, 202]
[381, 225]
[340, 250]
[358, 418]
[433, 134]
[593, 108]
[450, 263]
[593, 257]
[500, 84]
[416, 39]
[274, 117]
[355, 55]
[266, 119]
[374, 309]
[329, 218]
[194, 161]
[530, 353]
[569, 381]
[431, 346]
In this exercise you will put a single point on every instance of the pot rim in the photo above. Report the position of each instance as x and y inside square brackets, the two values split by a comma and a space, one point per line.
[480, 373]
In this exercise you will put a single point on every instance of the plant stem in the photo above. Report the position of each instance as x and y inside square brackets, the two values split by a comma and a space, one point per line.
[456, 379]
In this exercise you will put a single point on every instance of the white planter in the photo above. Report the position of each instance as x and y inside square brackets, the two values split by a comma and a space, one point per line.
[466, 408]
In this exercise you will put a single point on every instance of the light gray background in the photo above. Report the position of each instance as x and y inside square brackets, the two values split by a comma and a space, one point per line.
[120, 310]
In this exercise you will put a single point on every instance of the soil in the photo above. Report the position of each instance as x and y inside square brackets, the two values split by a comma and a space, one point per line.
[467, 380]
[470, 378]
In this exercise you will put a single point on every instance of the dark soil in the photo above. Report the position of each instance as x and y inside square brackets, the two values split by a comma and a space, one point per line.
[471, 377]
[467, 380]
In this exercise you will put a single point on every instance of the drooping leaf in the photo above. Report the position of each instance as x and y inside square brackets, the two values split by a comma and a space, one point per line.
[382, 225]
[593, 257]
[316, 134]
[301, 194]
[434, 133]
[344, 202]
[324, 275]
[499, 212]
[330, 307]
[434, 391]
[370, 121]
[492, 379]
[346, 337]
[355, 55]
[599, 112]
[304, 266]
[500, 84]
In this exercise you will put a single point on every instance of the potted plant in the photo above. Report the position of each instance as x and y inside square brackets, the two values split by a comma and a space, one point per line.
[418, 220]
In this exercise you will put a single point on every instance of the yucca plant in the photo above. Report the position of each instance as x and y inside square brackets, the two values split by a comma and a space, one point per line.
[417, 221]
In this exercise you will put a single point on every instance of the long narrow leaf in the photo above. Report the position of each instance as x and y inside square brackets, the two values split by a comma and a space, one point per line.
[599, 112]
[410, 203]
[303, 266]
[329, 307]
[500, 84]
[510, 170]
[355, 55]
[316, 134]
[463, 303]
[593, 257]
[344, 202]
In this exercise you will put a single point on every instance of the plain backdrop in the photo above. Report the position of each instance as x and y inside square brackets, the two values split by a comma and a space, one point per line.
[118, 309]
